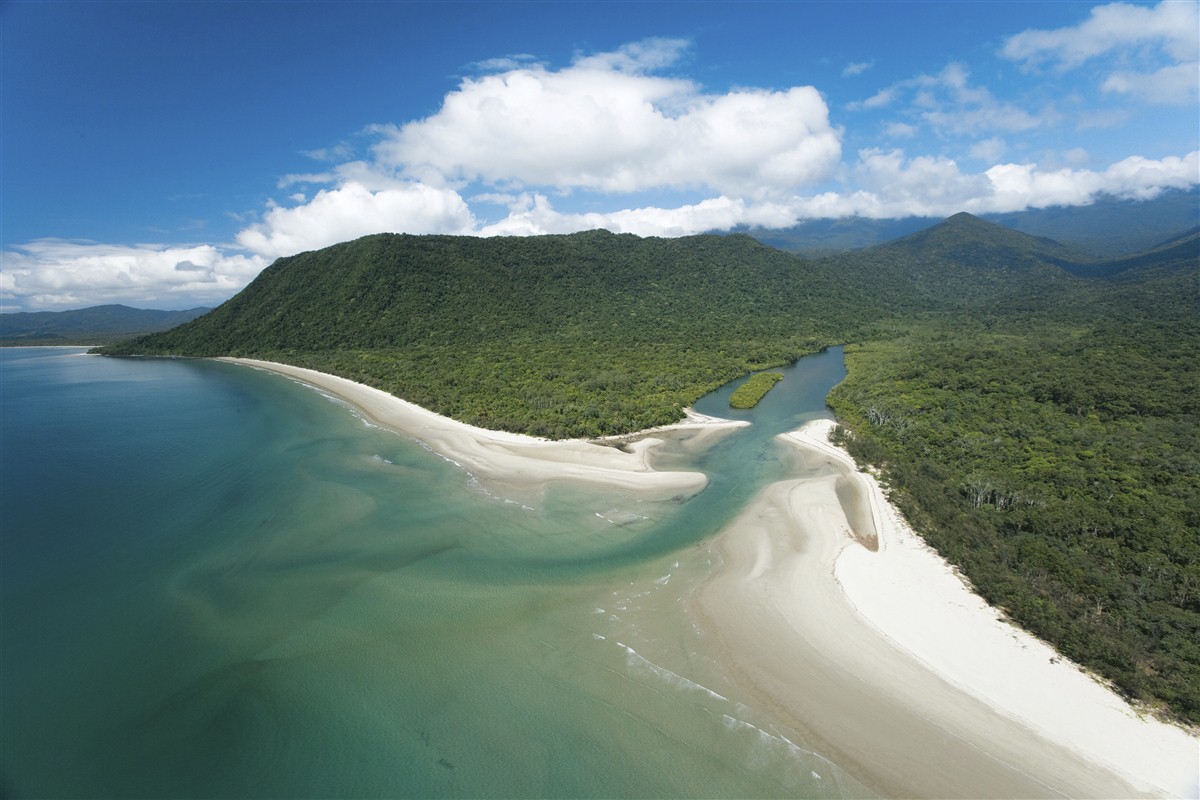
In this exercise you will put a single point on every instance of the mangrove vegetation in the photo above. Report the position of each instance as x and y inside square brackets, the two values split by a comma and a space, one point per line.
[754, 389]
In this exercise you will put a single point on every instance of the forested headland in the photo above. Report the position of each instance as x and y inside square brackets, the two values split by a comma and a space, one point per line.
[586, 335]
[1033, 412]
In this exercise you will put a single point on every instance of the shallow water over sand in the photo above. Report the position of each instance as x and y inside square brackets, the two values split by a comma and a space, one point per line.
[217, 582]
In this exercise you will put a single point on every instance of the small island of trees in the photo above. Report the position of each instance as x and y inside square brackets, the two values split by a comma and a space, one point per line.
[754, 389]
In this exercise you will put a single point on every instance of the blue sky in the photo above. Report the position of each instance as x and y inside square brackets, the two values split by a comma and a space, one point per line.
[161, 154]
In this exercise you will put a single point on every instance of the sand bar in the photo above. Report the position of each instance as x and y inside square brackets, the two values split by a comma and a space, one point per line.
[511, 457]
[888, 665]
[883, 660]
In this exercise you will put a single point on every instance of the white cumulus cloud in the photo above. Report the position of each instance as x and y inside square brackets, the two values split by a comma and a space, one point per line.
[606, 123]
[353, 210]
[892, 185]
[923, 186]
[1177, 84]
[883, 184]
[1171, 23]
[1144, 35]
[533, 214]
[56, 273]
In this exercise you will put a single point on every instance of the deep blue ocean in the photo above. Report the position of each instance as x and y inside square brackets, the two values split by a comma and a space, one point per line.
[217, 582]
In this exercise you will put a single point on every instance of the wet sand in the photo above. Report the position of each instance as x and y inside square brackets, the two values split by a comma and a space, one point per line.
[510, 457]
[884, 660]
[835, 618]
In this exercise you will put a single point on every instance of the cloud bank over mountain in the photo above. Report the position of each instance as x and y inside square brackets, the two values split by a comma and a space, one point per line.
[632, 140]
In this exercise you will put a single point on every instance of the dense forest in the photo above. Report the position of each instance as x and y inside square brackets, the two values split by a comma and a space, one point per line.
[582, 335]
[1049, 445]
[1032, 411]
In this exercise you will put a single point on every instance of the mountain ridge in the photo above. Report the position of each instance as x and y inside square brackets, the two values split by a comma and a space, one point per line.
[1108, 228]
[91, 325]
[709, 300]
[968, 236]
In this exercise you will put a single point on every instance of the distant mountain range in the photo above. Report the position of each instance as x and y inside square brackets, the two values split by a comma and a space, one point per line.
[407, 313]
[88, 326]
[1103, 233]
[1108, 228]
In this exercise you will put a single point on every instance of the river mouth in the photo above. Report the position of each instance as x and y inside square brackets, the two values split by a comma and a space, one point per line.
[228, 585]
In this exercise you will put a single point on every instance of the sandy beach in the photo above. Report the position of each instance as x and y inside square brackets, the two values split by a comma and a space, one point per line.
[888, 664]
[513, 458]
[833, 616]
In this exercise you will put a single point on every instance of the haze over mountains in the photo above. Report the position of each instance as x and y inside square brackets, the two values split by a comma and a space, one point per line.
[1108, 228]
[93, 325]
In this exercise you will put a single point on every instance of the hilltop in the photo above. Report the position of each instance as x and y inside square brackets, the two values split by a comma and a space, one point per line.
[1109, 228]
[579, 335]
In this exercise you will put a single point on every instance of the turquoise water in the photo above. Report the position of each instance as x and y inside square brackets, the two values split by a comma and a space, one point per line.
[216, 582]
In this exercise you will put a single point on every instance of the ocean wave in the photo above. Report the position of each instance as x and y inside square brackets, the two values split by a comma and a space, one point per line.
[617, 516]
[635, 660]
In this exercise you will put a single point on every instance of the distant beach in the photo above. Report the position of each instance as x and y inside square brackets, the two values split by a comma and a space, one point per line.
[879, 653]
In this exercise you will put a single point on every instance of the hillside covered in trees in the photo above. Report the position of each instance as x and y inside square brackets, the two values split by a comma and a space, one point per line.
[592, 333]
[1033, 412]
[581, 335]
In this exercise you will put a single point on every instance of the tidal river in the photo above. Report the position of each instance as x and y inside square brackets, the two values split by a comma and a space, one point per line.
[217, 582]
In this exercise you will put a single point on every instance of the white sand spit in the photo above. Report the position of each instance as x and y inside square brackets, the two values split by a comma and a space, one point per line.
[887, 663]
[884, 661]
[508, 457]
[910, 595]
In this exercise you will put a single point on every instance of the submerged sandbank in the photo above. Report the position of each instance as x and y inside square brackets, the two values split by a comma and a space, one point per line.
[891, 666]
[883, 661]
[511, 457]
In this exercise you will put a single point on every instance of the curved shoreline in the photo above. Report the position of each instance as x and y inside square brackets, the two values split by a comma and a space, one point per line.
[511, 457]
[913, 597]
[899, 672]
[885, 661]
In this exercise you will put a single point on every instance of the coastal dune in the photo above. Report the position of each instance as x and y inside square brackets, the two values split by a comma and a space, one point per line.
[829, 614]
